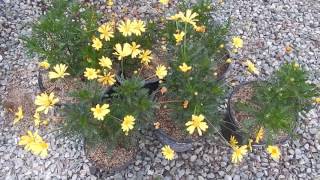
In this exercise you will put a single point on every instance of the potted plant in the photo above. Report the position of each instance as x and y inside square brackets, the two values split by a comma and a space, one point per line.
[70, 39]
[109, 125]
[269, 107]
[191, 93]
[117, 71]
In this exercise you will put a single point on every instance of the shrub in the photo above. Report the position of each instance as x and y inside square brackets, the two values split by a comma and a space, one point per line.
[128, 99]
[68, 34]
[195, 42]
[275, 103]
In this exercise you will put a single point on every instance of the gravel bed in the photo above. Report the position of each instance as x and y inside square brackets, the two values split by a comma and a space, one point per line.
[267, 26]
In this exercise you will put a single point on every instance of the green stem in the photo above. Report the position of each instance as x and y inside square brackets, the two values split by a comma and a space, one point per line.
[115, 118]
[122, 69]
[185, 40]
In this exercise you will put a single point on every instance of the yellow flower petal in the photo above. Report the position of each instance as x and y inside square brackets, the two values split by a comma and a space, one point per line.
[99, 112]
[167, 152]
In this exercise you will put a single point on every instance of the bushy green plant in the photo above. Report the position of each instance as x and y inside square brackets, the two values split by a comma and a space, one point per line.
[196, 91]
[275, 103]
[196, 47]
[63, 33]
[213, 34]
[129, 98]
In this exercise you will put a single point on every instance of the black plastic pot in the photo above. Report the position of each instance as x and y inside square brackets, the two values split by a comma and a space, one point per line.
[227, 70]
[152, 85]
[177, 146]
[40, 82]
[230, 126]
[102, 172]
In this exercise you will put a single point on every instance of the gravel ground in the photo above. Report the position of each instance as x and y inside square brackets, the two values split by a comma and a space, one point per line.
[267, 26]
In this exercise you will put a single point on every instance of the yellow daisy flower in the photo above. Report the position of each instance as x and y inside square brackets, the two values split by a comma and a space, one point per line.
[135, 51]
[164, 2]
[40, 148]
[251, 67]
[91, 73]
[179, 36]
[106, 32]
[167, 152]
[26, 140]
[107, 79]
[44, 64]
[176, 17]
[260, 134]
[184, 67]
[197, 122]
[126, 27]
[190, 17]
[317, 100]
[127, 124]
[96, 43]
[145, 57]
[229, 60]
[238, 153]
[161, 71]
[122, 52]
[99, 112]
[105, 62]
[233, 142]
[237, 42]
[138, 27]
[45, 102]
[34, 143]
[274, 152]
[110, 2]
[59, 71]
[19, 115]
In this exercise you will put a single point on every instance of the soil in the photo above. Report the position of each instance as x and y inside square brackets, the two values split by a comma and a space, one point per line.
[148, 72]
[61, 87]
[110, 161]
[244, 94]
[15, 98]
[169, 126]
[221, 69]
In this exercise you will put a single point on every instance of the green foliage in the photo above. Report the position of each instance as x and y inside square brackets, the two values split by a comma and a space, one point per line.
[204, 52]
[275, 103]
[198, 86]
[129, 98]
[63, 34]
[214, 35]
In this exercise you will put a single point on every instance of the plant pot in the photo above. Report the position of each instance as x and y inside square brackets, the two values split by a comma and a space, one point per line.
[231, 126]
[152, 84]
[223, 69]
[177, 146]
[168, 133]
[103, 169]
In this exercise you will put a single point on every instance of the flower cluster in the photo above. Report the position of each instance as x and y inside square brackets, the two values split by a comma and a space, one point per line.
[240, 151]
[32, 141]
[115, 101]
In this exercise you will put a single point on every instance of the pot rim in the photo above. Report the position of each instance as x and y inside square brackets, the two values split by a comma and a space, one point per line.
[233, 120]
[115, 169]
[177, 146]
